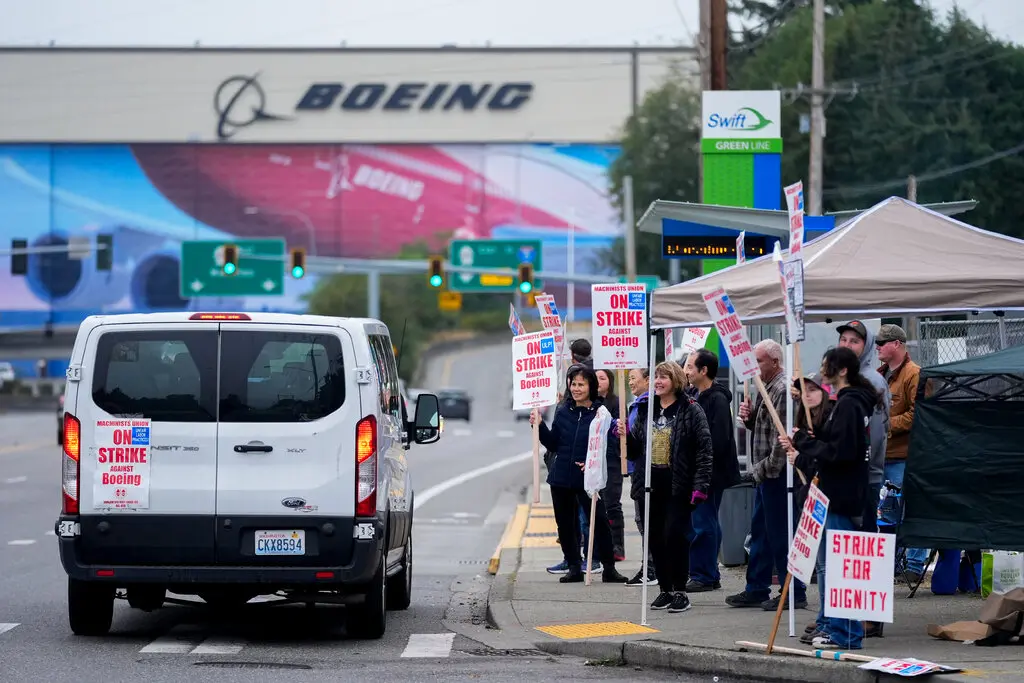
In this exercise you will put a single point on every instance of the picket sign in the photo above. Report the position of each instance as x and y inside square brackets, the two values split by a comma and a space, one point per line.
[741, 246]
[514, 323]
[595, 470]
[860, 568]
[695, 338]
[534, 384]
[804, 551]
[670, 351]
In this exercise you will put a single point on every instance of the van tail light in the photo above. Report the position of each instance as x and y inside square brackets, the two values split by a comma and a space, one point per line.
[70, 467]
[366, 467]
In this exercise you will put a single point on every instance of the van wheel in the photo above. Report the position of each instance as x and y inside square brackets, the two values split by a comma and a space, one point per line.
[368, 621]
[90, 607]
[400, 585]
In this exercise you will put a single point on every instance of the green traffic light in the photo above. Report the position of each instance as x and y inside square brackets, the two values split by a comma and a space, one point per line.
[435, 280]
[229, 268]
[298, 271]
[525, 287]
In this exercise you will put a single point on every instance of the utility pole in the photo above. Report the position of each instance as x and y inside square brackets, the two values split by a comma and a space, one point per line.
[817, 110]
[912, 188]
[719, 44]
[629, 218]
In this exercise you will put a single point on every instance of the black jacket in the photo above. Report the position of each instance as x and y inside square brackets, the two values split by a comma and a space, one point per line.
[716, 403]
[614, 448]
[841, 451]
[567, 438]
[692, 451]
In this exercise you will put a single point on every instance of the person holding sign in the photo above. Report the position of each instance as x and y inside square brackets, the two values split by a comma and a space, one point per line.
[612, 492]
[818, 402]
[568, 438]
[681, 465]
[841, 451]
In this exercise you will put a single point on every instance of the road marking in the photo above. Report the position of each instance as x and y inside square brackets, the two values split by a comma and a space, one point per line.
[4, 628]
[464, 515]
[15, 480]
[178, 641]
[31, 446]
[512, 538]
[22, 541]
[505, 434]
[219, 646]
[435, 491]
[50, 532]
[446, 370]
[436, 645]
[462, 432]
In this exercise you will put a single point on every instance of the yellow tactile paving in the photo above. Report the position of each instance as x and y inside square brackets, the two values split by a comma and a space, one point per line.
[598, 630]
[541, 525]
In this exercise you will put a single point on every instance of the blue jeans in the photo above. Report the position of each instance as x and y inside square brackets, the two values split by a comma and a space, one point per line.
[916, 557]
[769, 541]
[705, 535]
[847, 633]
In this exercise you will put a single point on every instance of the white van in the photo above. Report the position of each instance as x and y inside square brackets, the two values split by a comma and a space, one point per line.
[230, 455]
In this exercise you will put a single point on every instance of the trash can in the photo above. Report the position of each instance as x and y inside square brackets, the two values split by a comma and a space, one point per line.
[734, 516]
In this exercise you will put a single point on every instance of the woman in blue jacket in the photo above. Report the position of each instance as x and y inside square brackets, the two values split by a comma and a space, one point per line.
[567, 438]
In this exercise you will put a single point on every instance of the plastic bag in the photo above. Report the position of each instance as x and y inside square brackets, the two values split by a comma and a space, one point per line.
[1001, 571]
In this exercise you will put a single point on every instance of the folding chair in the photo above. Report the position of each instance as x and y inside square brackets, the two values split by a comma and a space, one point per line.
[890, 519]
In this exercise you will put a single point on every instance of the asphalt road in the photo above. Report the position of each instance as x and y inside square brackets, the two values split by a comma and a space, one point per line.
[467, 486]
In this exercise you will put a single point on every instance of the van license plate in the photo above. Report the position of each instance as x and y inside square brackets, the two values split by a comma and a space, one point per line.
[280, 542]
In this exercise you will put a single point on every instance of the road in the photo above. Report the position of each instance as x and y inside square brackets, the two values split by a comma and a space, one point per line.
[467, 486]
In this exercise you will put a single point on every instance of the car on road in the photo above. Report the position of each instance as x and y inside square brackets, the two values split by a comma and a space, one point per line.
[232, 455]
[456, 404]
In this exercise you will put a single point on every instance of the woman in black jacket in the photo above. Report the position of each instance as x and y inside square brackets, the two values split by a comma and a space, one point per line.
[681, 464]
[841, 450]
[567, 438]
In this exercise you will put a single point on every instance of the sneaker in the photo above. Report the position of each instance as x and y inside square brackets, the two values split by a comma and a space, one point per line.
[619, 556]
[695, 586]
[595, 566]
[662, 601]
[808, 637]
[772, 604]
[811, 627]
[560, 568]
[743, 599]
[638, 579]
[680, 603]
[825, 642]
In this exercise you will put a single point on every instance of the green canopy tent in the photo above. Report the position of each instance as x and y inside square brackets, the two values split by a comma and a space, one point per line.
[964, 483]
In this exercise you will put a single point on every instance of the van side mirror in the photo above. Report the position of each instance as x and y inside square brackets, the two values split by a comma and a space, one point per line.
[427, 424]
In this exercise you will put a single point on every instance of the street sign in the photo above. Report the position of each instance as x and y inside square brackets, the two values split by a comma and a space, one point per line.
[202, 272]
[449, 301]
[486, 253]
[650, 281]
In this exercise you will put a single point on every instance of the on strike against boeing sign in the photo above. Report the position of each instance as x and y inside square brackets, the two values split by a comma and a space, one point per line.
[620, 326]
[534, 376]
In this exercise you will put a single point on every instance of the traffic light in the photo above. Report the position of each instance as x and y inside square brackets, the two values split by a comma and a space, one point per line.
[104, 252]
[19, 262]
[298, 262]
[525, 278]
[230, 259]
[436, 271]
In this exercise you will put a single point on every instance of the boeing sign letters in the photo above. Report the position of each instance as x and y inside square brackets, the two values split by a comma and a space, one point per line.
[240, 101]
[422, 96]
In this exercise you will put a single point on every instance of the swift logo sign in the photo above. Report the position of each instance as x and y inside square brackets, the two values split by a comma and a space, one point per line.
[240, 101]
[750, 116]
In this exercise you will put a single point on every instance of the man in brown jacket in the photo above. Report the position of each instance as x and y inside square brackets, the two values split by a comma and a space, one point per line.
[902, 374]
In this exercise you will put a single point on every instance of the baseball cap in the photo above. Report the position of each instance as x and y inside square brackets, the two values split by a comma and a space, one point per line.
[855, 325]
[888, 333]
[812, 377]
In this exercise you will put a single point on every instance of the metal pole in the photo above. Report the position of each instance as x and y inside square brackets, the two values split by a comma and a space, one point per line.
[651, 398]
[629, 220]
[1003, 341]
[789, 487]
[817, 109]
[373, 294]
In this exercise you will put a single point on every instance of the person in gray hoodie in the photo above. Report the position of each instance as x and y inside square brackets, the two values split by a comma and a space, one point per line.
[855, 336]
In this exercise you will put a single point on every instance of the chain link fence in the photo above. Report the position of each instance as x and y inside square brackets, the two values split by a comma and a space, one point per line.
[948, 341]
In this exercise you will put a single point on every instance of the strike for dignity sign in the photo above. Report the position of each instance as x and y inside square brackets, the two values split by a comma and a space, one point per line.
[620, 326]
[121, 478]
[859, 575]
[534, 374]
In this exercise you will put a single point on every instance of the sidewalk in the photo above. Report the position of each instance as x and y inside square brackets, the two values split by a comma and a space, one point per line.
[602, 621]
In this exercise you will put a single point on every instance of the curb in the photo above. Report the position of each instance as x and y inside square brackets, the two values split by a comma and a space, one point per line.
[512, 536]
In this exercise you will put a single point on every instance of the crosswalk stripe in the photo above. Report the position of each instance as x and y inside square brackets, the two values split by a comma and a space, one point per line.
[432, 645]
[4, 628]
[219, 646]
[178, 641]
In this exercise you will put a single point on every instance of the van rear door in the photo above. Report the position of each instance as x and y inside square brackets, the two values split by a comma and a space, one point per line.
[148, 498]
[286, 445]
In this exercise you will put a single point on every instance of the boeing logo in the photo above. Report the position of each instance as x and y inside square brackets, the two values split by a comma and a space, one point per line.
[240, 101]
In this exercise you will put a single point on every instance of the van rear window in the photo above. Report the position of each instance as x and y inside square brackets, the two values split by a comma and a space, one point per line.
[166, 376]
[280, 376]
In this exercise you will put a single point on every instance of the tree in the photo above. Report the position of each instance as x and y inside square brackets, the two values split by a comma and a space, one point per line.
[660, 150]
[938, 100]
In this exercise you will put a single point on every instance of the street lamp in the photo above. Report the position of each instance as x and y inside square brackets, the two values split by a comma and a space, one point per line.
[254, 210]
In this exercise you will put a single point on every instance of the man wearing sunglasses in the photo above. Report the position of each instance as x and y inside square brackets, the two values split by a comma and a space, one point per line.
[902, 374]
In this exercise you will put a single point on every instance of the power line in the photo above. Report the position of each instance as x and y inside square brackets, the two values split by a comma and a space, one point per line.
[855, 190]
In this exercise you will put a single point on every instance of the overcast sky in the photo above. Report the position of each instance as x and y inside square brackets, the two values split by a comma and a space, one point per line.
[387, 22]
